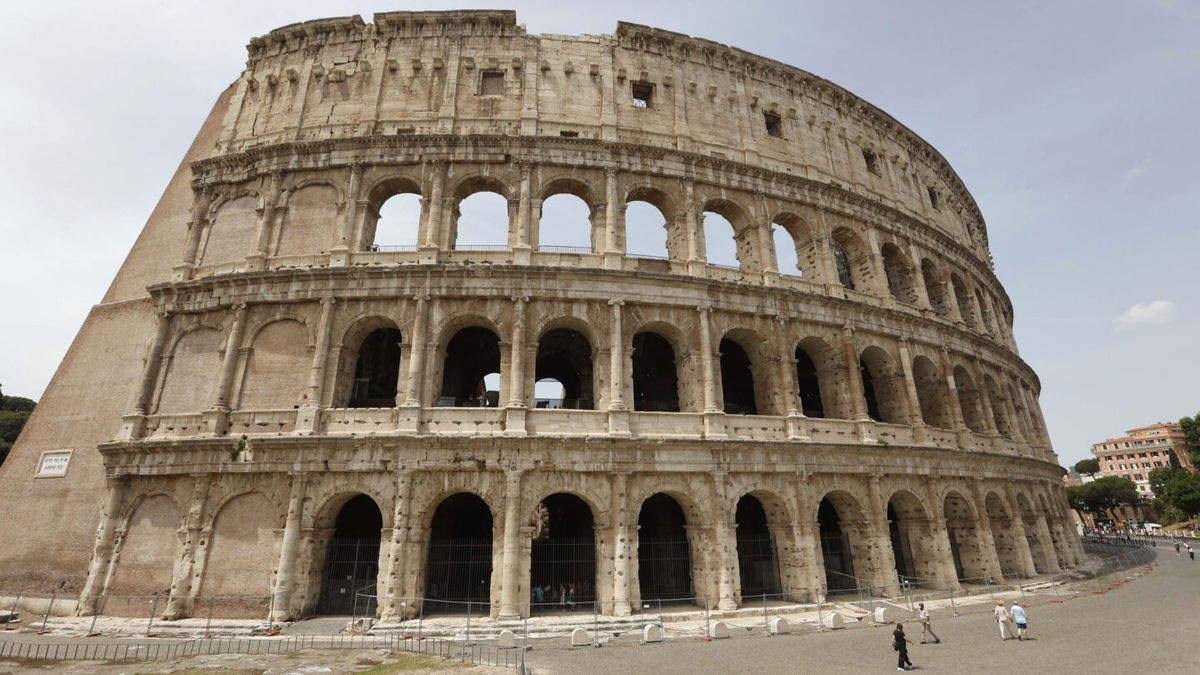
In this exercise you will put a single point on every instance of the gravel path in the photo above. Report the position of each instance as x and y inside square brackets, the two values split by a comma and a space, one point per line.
[1148, 625]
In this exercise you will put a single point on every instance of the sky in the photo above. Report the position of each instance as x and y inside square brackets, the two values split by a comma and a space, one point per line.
[1073, 123]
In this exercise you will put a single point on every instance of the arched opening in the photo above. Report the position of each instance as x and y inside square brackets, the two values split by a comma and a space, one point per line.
[1033, 534]
[720, 240]
[841, 264]
[1004, 535]
[835, 550]
[935, 288]
[459, 568]
[664, 555]
[852, 260]
[968, 400]
[808, 381]
[932, 394]
[352, 560]
[1019, 411]
[901, 546]
[787, 261]
[999, 411]
[883, 386]
[655, 380]
[396, 227]
[276, 367]
[899, 273]
[565, 225]
[964, 539]
[908, 526]
[548, 393]
[646, 231]
[472, 355]
[757, 562]
[230, 231]
[737, 379]
[376, 370]
[562, 570]
[985, 311]
[963, 299]
[566, 356]
[481, 221]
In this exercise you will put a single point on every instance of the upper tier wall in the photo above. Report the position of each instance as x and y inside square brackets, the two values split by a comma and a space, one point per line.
[425, 72]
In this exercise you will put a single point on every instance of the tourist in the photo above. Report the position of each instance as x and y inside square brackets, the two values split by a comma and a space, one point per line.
[900, 643]
[1018, 615]
[1176, 548]
[926, 629]
[1191, 553]
[562, 595]
[538, 595]
[1002, 618]
[571, 594]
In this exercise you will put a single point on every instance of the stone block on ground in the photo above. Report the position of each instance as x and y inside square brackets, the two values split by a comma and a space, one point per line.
[832, 620]
[580, 638]
[718, 630]
[779, 626]
[506, 640]
[652, 633]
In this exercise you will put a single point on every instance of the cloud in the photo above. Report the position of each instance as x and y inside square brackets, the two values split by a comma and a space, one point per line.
[1155, 313]
[1136, 170]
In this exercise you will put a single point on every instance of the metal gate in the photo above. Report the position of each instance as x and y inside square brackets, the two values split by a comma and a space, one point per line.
[756, 559]
[665, 568]
[351, 567]
[565, 572]
[459, 571]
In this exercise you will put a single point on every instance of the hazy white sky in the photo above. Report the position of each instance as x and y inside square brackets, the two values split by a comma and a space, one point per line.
[1073, 122]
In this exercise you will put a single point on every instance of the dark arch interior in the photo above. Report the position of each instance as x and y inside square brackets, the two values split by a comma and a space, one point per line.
[835, 549]
[869, 393]
[376, 370]
[841, 261]
[562, 570]
[655, 381]
[460, 554]
[757, 563]
[352, 559]
[901, 545]
[809, 384]
[737, 382]
[565, 355]
[472, 354]
[664, 557]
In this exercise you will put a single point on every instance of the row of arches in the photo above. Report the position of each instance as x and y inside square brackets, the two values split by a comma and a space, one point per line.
[661, 370]
[570, 212]
[567, 550]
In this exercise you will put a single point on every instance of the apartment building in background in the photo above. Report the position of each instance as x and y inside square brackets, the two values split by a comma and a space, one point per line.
[1142, 450]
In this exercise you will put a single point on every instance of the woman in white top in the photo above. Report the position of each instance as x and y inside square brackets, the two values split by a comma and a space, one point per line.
[1002, 618]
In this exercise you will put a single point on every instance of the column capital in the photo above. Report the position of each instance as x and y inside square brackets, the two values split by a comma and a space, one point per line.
[616, 302]
[422, 298]
[610, 172]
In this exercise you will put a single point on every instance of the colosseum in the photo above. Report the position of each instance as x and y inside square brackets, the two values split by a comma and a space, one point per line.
[321, 374]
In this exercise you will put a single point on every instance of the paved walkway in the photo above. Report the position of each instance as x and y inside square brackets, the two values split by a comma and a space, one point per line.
[1148, 625]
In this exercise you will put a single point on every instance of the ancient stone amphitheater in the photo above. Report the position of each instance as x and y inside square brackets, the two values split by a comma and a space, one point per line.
[287, 395]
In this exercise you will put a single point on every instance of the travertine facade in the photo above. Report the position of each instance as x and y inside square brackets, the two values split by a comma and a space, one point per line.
[243, 384]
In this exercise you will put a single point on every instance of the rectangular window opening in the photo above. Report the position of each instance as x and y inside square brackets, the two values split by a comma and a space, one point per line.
[933, 201]
[643, 94]
[871, 161]
[491, 83]
[774, 124]
[569, 134]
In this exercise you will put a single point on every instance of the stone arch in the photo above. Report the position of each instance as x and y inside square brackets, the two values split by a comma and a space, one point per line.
[840, 526]
[883, 386]
[742, 234]
[566, 353]
[935, 288]
[195, 356]
[852, 259]
[654, 373]
[757, 538]
[998, 410]
[492, 229]
[969, 400]
[985, 312]
[821, 380]
[965, 307]
[910, 529]
[898, 269]
[745, 380]
[1004, 535]
[362, 378]
[243, 553]
[667, 207]
[966, 542]
[563, 553]
[351, 526]
[1038, 547]
[229, 232]
[469, 353]
[569, 209]
[803, 245]
[145, 563]
[277, 367]
[684, 368]
[383, 226]
[310, 221]
[1020, 411]
[459, 561]
[933, 394]
[666, 555]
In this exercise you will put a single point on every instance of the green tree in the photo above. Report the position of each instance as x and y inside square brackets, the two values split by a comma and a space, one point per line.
[1104, 494]
[1183, 492]
[14, 411]
[1087, 467]
[1077, 497]
[1191, 431]
[1160, 477]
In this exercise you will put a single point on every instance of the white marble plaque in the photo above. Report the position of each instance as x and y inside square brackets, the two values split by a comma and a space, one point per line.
[53, 464]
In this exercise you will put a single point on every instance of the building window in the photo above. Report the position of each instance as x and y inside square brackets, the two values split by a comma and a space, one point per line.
[841, 261]
[491, 83]
[774, 124]
[871, 161]
[933, 198]
[1137, 476]
[643, 94]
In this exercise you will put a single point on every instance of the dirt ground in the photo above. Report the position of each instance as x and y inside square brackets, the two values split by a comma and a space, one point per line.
[304, 662]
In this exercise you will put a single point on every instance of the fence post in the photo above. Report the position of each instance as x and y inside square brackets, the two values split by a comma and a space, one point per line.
[153, 609]
[766, 625]
[208, 622]
[953, 607]
[421, 619]
[595, 624]
[13, 611]
[468, 625]
[46, 618]
[95, 615]
[707, 628]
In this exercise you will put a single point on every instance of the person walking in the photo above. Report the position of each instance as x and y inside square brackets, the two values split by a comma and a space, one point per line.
[1176, 548]
[900, 643]
[1002, 618]
[926, 629]
[1191, 553]
[1018, 615]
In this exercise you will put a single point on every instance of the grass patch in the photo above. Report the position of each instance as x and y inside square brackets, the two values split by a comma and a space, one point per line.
[211, 671]
[407, 663]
